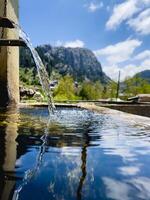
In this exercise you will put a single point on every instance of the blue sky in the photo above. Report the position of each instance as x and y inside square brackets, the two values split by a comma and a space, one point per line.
[117, 31]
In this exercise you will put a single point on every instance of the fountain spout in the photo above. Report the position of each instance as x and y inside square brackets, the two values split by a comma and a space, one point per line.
[6, 23]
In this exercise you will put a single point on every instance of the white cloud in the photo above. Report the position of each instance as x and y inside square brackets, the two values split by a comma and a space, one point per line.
[147, 2]
[122, 12]
[141, 24]
[120, 52]
[146, 63]
[143, 55]
[126, 71]
[72, 44]
[125, 11]
[92, 7]
[120, 57]
[113, 71]
[143, 60]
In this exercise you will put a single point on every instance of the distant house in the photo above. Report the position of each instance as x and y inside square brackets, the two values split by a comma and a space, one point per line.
[141, 98]
[53, 84]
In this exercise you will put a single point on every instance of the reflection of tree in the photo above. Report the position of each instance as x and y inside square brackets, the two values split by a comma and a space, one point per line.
[8, 156]
[88, 125]
[84, 159]
[83, 169]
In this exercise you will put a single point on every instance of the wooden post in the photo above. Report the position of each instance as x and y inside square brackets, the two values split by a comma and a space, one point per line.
[118, 86]
[9, 57]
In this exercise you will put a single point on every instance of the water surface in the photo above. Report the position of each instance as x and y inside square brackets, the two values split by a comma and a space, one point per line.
[79, 154]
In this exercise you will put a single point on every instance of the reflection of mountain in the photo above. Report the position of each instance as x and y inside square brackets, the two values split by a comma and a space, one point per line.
[58, 135]
[68, 129]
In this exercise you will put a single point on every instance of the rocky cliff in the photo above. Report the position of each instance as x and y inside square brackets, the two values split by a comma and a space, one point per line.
[81, 63]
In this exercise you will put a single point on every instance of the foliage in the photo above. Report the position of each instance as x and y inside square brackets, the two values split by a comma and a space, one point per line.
[91, 91]
[55, 75]
[110, 90]
[27, 77]
[136, 85]
[65, 89]
[86, 90]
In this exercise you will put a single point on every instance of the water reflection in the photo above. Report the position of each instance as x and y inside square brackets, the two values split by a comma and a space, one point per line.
[8, 149]
[124, 189]
[78, 155]
[83, 161]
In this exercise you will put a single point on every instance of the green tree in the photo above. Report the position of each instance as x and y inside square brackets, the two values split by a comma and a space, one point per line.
[65, 89]
[136, 85]
[28, 77]
[110, 90]
[91, 91]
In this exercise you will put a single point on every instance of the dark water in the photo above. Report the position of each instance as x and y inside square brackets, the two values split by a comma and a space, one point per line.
[78, 155]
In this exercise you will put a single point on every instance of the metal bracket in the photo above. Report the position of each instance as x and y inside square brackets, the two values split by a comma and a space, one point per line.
[7, 42]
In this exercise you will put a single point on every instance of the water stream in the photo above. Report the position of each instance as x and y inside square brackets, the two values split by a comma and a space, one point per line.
[31, 173]
[45, 82]
[42, 73]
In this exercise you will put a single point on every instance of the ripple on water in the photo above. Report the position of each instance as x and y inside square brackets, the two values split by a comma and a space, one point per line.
[77, 154]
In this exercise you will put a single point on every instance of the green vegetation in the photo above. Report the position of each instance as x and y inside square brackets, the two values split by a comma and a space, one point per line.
[65, 89]
[85, 90]
[110, 91]
[91, 91]
[28, 77]
[92, 83]
[136, 85]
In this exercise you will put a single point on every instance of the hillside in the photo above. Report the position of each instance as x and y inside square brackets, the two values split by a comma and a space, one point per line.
[144, 75]
[81, 63]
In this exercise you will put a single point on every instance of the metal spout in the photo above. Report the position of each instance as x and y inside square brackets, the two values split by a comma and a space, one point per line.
[6, 23]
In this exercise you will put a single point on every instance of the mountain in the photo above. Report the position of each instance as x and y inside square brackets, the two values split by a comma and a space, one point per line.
[144, 75]
[81, 63]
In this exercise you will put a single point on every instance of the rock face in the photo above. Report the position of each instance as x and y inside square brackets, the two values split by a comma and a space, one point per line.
[81, 63]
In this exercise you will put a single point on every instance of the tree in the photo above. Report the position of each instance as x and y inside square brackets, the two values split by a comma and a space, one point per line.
[91, 91]
[110, 90]
[27, 77]
[136, 85]
[65, 89]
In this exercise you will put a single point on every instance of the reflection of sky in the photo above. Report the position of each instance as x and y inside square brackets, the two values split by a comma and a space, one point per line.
[123, 189]
[129, 170]
[116, 189]
[117, 160]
